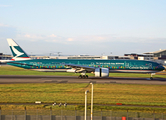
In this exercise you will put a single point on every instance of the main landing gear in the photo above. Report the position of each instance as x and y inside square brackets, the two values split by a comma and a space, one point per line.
[83, 76]
[151, 78]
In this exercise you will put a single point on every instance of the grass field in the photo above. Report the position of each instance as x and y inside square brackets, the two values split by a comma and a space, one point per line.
[106, 94]
[154, 95]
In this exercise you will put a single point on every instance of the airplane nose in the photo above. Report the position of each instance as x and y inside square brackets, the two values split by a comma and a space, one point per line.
[162, 68]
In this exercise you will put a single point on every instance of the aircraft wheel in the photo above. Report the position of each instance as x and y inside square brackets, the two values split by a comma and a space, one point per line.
[86, 76]
[80, 76]
[83, 76]
[151, 78]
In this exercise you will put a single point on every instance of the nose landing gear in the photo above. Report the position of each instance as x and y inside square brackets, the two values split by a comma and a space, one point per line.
[151, 77]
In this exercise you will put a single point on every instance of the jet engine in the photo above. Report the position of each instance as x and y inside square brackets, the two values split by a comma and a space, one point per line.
[101, 72]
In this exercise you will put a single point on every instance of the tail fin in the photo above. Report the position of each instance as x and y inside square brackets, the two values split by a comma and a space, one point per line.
[17, 51]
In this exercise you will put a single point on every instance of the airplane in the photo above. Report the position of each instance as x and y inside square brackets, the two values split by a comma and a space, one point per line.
[100, 67]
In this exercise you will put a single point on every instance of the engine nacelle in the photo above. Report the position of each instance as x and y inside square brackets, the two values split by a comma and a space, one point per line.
[101, 72]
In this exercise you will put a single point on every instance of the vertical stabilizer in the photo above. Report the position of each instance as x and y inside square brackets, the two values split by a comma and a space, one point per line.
[17, 51]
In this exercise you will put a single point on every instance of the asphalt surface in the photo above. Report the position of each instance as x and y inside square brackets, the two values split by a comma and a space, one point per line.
[12, 79]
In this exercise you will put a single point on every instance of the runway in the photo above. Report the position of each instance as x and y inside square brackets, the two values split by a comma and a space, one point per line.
[13, 79]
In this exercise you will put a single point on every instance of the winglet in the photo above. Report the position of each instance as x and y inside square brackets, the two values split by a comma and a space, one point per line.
[17, 51]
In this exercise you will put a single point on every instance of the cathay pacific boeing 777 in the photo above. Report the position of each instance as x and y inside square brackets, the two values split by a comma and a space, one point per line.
[101, 68]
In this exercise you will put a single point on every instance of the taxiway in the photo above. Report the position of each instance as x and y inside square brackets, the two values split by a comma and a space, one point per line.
[12, 79]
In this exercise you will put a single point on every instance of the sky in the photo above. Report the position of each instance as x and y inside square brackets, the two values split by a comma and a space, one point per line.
[79, 27]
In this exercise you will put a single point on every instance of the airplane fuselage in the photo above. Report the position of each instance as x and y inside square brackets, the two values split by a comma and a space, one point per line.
[59, 65]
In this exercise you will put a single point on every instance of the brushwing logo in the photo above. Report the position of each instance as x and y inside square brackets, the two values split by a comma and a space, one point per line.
[16, 52]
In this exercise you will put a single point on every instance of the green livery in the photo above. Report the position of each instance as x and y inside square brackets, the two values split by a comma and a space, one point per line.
[121, 65]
